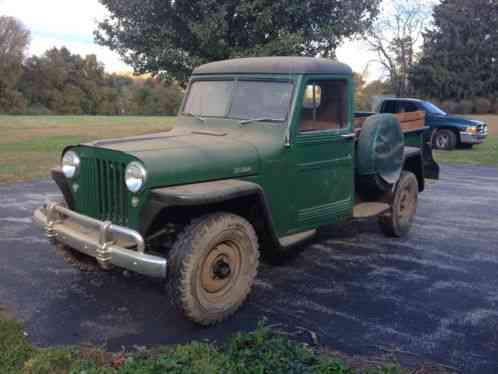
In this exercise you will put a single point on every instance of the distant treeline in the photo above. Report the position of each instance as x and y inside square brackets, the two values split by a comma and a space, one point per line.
[60, 82]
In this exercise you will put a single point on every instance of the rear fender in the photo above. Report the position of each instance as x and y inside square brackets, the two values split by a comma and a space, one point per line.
[413, 162]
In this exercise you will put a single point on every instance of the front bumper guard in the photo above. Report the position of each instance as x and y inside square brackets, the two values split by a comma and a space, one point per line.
[473, 138]
[99, 239]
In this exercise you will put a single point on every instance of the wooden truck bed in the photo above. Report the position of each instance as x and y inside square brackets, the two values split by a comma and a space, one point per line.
[408, 121]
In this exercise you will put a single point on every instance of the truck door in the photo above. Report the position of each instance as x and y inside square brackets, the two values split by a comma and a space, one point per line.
[322, 153]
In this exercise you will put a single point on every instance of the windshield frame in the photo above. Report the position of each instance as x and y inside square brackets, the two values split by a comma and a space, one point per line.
[236, 79]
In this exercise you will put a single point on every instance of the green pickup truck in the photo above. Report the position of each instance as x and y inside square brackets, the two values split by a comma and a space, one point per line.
[264, 152]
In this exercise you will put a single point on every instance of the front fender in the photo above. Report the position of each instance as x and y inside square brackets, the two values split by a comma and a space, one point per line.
[204, 193]
[207, 196]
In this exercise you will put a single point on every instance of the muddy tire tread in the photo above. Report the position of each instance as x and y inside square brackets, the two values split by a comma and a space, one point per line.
[183, 257]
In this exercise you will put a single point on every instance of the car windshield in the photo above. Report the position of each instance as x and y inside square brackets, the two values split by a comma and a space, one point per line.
[241, 100]
[431, 108]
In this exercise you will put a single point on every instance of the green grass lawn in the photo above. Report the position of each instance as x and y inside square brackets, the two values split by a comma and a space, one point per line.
[257, 352]
[482, 154]
[31, 145]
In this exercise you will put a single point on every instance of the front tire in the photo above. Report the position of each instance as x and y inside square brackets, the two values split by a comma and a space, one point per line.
[212, 267]
[444, 140]
[398, 221]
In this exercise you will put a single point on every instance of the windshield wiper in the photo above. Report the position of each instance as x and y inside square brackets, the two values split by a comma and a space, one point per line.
[196, 116]
[264, 119]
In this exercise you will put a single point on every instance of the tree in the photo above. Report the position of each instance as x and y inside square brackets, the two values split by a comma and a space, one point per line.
[14, 40]
[359, 95]
[395, 37]
[63, 82]
[60, 82]
[460, 52]
[173, 36]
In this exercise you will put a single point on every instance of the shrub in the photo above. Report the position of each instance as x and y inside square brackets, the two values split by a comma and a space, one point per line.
[465, 107]
[449, 106]
[14, 348]
[37, 110]
[482, 105]
[495, 107]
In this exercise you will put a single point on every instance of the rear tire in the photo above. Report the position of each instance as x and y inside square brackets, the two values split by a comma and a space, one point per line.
[444, 140]
[212, 267]
[398, 221]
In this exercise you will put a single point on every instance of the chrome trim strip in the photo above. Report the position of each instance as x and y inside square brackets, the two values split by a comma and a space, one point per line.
[348, 136]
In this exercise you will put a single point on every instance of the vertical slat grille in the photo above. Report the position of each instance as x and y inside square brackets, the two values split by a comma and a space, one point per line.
[104, 195]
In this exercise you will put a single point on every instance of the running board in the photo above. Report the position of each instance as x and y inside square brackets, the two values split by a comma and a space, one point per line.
[290, 240]
[367, 210]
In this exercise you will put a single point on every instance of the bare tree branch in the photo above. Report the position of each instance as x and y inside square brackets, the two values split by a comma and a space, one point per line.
[396, 37]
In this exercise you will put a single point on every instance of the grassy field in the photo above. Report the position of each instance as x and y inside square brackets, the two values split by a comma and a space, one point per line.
[257, 352]
[31, 145]
[482, 154]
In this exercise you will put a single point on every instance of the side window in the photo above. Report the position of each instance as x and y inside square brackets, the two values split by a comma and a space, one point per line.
[389, 106]
[324, 106]
[407, 106]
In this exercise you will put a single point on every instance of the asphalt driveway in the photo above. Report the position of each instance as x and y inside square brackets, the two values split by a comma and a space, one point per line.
[432, 296]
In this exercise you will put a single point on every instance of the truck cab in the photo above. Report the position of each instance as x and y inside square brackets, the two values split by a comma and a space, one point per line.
[447, 131]
[265, 151]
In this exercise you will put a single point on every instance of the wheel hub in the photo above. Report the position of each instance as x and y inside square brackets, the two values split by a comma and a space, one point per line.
[443, 141]
[220, 268]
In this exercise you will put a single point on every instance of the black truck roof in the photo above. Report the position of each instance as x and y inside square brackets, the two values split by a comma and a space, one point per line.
[401, 99]
[275, 65]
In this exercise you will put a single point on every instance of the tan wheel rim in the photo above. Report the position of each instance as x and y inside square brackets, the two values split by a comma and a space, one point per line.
[220, 269]
[407, 203]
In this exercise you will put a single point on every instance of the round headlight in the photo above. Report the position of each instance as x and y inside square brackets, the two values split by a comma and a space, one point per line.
[70, 164]
[135, 175]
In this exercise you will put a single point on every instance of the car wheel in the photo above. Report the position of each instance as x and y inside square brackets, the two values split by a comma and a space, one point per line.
[398, 220]
[212, 267]
[445, 140]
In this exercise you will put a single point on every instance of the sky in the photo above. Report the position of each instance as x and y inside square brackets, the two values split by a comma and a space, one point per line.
[70, 23]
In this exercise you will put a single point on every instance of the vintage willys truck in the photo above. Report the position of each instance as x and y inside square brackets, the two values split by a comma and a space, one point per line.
[264, 152]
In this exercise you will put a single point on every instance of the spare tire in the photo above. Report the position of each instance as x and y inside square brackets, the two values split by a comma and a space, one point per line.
[379, 154]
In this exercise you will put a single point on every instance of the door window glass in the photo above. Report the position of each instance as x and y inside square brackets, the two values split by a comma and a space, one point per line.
[407, 106]
[324, 106]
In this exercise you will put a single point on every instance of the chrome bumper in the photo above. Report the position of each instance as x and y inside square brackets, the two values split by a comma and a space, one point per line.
[474, 138]
[108, 243]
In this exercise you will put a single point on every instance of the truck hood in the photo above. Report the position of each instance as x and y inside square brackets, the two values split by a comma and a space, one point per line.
[460, 121]
[188, 156]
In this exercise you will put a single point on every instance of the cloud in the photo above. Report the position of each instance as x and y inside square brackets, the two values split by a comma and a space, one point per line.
[362, 60]
[57, 23]
[73, 17]
[110, 59]
[70, 23]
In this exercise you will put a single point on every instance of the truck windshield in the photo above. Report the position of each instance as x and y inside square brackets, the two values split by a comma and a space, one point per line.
[241, 100]
[432, 109]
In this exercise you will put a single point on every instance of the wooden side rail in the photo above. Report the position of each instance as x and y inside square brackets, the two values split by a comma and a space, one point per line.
[408, 121]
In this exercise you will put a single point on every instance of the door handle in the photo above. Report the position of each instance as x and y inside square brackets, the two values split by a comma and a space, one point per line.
[348, 136]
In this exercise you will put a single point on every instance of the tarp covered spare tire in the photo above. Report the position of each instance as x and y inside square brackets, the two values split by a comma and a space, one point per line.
[380, 150]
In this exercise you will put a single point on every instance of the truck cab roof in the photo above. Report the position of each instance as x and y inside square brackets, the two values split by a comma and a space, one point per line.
[402, 99]
[275, 65]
